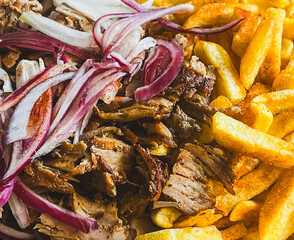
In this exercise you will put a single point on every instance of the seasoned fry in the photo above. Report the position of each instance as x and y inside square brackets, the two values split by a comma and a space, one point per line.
[285, 79]
[279, 3]
[246, 211]
[288, 28]
[283, 124]
[256, 53]
[290, 10]
[277, 101]
[245, 34]
[234, 232]
[216, 14]
[277, 214]
[221, 102]
[248, 186]
[205, 233]
[290, 138]
[228, 82]
[243, 165]
[287, 49]
[202, 219]
[252, 232]
[272, 63]
[205, 136]
[165, 217]
[241, 138]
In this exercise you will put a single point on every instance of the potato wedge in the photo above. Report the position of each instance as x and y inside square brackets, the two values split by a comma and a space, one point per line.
[283, 124]
[165, 217]
[237, 136]
[286, 51]
[277, 214]
[288, 26]
[248, 186]
[228, 82]
[256, 53]
[285, 80]
[234, 232]
[202, 219]
[221, 102]
[245, 34]
[216, 14]
[272, 64]
[277, 101]
[258, 116]
[206, 233]
[246, 211]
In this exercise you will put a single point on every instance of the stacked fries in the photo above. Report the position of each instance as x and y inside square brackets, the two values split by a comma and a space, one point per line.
[254, 64]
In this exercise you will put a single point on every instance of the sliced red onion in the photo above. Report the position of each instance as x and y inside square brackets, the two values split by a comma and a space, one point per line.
[9, 233]
[19, 211]
[205, 31]
[58, 31]
[5, 192]
[25, 70]
[17, 129]
[19, 93]
[42, 205]
[86, 120]
[143, 45]
[87, 97]
[21, 158]
[38, 41]
[5, 78]
[169, 74]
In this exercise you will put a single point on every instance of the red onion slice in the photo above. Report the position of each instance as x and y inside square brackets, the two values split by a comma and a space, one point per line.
[9, 233]
[17, 129]
[42, 205]
[170, 73]
[143, 45]
[5, 192]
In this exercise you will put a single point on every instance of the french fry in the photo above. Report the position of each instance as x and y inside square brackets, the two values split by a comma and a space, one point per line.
[245, 34]
[224, 223]
[243, 165]
[256, 53]
[216, 14]
[272, 63]
[237, 136]
[256, 90]
[165, 217]
[286, 52]
[252, 232]
[258, 116]
[290, 138]
[290, 10]
[262, 4]
[228, 82]
[283, 124]
[277, 101]
[277, 214]
[288, 28]
[205, 233]
[221, 102]
[162, 3]
[285, 80]
[248, 186]
[246, 211]
[234, 232]
[279, 3]
[205, 136]
[202, 219]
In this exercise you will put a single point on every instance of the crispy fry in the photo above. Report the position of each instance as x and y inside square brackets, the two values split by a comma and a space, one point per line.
[216, 14]
[277, 214]
[243, 165]
[283, 124]
[205, 136]
[228, 82]
[224, 223]
[279, 3]
[290, 10]
[277, 101]
[202, 219]
[248, 186]
[245, 34]
[246, 211]
[162, 3]
[288, 28]
[234, 232]
[241, 138]
[256, 53]
[290, 138]
[286, 52]
[205, 233]
[165, 217]
[252, 232]
[272, 63]
[221, 102]
[285, 80]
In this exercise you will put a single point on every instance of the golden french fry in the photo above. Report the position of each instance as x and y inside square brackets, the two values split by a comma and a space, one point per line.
[262, 4]
[224, 223]
[278, 3]
[205, 233]
[216, 14]
[246, 211]
[288, 28]
[205, 136]
[243, 165]
[290, 138]
[228, 82]
[165, 217]
[239, 137]
[277, 101]
[202, 219]
[162, 3]
[283, 124]
[277, 214]
[248, 186]
[256, 53]
[290, 10]
[234, 232]
[285, 80]
[258, 116]
[252, 232]
[272, 63]
[221, 102]
[245, 34]
[256, 90]
[286, 51]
